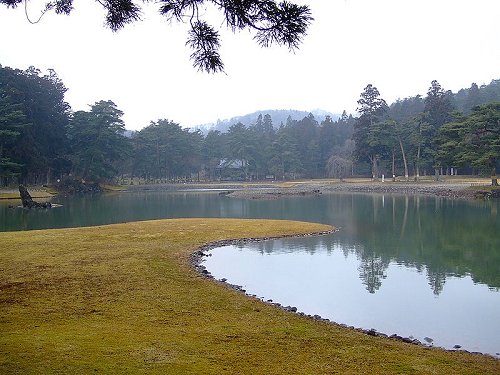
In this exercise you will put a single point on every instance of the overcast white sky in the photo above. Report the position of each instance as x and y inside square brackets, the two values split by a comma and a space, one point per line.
[400, 46]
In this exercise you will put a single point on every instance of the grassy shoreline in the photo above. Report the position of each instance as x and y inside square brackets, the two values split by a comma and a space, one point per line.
[451, 186]
[36, 193]
[124, 298]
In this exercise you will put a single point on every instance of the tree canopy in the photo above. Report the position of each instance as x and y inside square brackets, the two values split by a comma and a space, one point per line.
[43, 140]
[283, 23]
[34, 118]
[96, 140]
[367, 127]
[474, 139]
[426, 134]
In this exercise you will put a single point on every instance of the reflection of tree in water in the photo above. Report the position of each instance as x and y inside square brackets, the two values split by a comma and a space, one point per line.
[437, 280]
[308, 245]
[372, 272]
[264, 247]
[444, 237]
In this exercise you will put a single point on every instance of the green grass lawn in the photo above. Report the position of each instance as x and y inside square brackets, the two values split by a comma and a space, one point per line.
[124, 299]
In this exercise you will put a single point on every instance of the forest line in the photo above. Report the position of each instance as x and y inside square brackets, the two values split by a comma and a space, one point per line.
[43, 140]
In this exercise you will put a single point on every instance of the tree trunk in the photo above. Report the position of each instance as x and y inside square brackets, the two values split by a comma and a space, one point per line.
[245, 169]
[404, 159]
[48, 177]
[417, 176]
[158, 161]
[373, 159]
[494, 179]
[393, 165]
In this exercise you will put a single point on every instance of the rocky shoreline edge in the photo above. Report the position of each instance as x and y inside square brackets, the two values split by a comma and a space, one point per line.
[197, 258]
[445, 190]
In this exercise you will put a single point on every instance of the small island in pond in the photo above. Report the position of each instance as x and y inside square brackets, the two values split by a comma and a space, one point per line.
[28, 202]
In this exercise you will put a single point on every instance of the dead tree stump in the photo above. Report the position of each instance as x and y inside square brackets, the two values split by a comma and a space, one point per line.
[28, 202]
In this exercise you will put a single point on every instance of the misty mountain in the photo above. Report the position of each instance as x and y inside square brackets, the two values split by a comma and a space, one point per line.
[279, 116]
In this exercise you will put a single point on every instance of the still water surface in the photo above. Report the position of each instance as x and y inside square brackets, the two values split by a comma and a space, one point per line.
[425, 267]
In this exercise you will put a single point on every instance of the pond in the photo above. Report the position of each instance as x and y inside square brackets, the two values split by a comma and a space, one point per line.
[425, 267]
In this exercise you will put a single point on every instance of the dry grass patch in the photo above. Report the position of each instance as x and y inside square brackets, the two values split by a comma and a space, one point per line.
[10, 195]
[14, 194]
[124, 299]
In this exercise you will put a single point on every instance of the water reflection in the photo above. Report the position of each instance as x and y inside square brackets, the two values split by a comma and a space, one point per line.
[363, 289]
[429, 234]
[371, 271]
[446, 237]
[433, 235]
[395, 249]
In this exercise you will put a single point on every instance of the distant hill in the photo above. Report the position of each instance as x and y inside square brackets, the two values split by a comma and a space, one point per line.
[279, 116]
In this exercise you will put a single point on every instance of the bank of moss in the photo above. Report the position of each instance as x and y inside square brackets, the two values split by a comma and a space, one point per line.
[124, 299]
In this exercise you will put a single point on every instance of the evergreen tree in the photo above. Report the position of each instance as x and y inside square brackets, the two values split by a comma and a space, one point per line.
[438, 104]
[282, 23]
[97, 141]
[304, 135]
[163, 150]
[263, 135]
[12, 120]
[475, 139]
[241, 147]
[404, 109]
[371, 108]
[41, 146]
[285, 160]
[438, 107]
[213, 152]
[422, 143]
[328, 139]
[473, 98]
